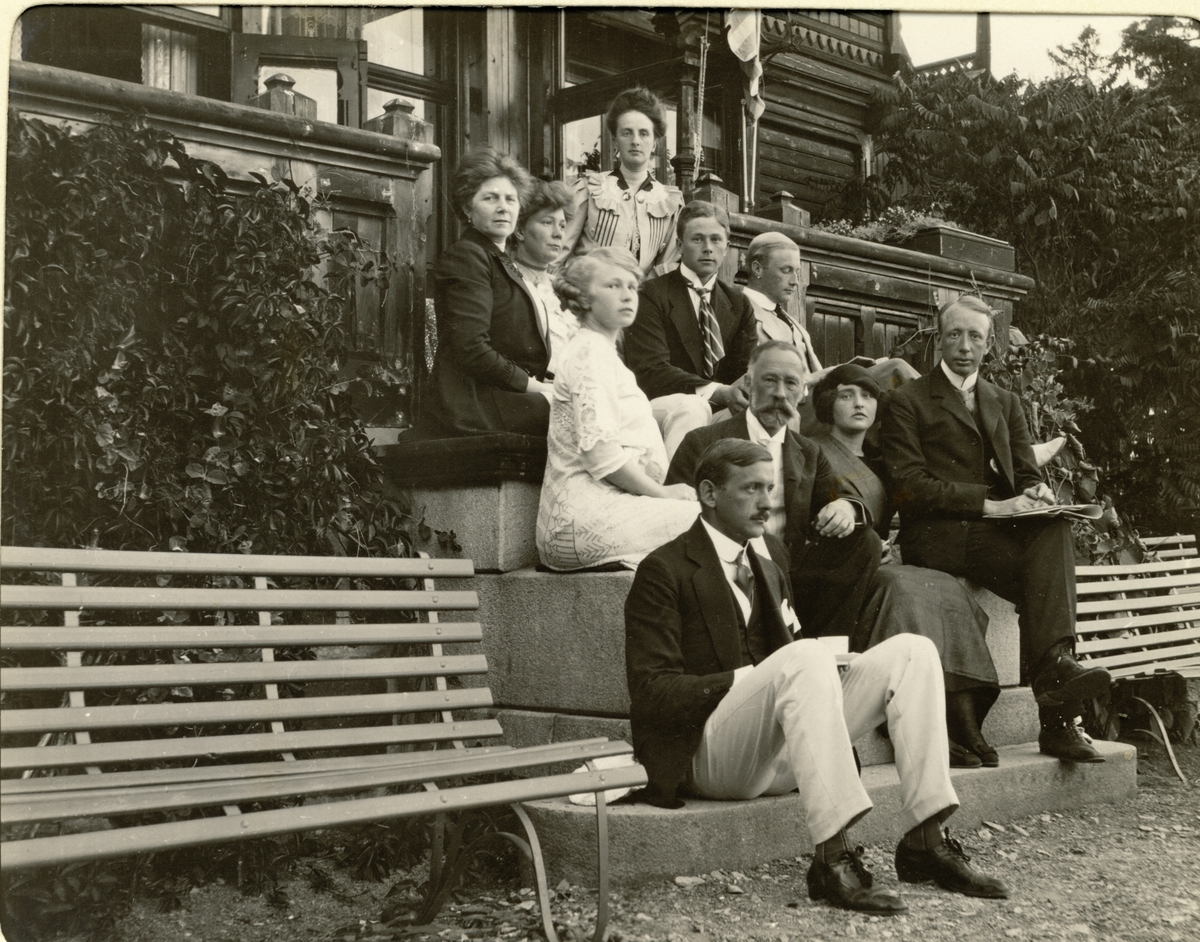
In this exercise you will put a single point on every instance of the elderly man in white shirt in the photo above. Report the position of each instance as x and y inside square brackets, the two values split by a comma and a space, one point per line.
[773, 261]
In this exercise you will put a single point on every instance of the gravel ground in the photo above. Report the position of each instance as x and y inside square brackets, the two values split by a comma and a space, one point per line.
[1127, 872]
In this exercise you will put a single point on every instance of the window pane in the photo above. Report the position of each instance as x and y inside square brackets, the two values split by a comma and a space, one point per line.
[582, 146]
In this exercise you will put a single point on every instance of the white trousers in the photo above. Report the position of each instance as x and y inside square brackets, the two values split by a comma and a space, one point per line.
[790, 723]
[677, 414]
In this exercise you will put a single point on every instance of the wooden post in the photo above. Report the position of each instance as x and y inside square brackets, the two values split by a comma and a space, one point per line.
[685, 125]
[983, 41]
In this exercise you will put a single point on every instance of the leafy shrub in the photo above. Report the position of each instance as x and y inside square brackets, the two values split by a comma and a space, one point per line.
[1033, 370]
[893, 226]
[1096, 186]
[171, 356]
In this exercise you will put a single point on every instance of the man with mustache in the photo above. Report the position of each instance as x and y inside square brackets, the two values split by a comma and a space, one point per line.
[726, 704]
[834, 552]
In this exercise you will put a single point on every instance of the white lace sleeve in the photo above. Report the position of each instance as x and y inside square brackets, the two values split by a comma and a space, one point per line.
[595, 408]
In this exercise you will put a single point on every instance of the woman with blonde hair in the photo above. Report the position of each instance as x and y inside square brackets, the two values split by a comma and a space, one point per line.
[603, 501]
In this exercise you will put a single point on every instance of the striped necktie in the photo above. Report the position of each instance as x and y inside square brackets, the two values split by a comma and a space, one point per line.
[714, 349]
[743, 576]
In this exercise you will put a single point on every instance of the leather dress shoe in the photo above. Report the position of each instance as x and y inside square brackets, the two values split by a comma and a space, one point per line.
[1061, 679]
[1067, 742]
[961, 758]
[845, 882]
[948, 865]
[986, 751]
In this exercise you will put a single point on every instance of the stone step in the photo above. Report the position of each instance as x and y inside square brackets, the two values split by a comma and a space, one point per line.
[653, 843]
[490, 524]
[556, 641]
[1013, 719]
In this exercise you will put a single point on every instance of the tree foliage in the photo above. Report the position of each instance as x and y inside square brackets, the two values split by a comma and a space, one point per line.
[1097, 186]
[171, 357]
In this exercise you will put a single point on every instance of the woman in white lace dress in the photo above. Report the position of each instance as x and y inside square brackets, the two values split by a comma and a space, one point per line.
[603, 500]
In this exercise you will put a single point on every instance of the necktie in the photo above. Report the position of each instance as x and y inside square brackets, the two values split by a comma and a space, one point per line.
[792, 325]
[710, 330]
[968, 398]
[743, 576]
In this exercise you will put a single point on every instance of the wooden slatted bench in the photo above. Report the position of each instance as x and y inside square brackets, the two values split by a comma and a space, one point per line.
[1140, 619]
[1175, 546]
[99, 636]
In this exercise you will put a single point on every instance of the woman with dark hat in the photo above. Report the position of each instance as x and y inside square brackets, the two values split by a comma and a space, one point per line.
[909, 599]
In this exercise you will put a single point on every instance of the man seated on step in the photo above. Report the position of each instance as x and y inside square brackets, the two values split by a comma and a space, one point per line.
[725, 704]
[693, 335]
[834, 551]
[957, 449]
[773, 261]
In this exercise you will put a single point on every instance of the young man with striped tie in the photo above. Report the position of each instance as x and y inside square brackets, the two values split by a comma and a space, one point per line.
[691, 342]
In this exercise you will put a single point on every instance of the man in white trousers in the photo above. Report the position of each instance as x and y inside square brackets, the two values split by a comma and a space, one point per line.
[727, 705]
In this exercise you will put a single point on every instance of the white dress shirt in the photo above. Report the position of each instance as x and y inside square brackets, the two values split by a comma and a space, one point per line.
[694, 281]
[964, 384]
[728, 552]
[773, 444]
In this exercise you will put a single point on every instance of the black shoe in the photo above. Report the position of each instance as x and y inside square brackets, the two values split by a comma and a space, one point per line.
[986, 752]
[961, 758]
[1067, 742]
[1061, 678]
[946, 863]
[845, 882]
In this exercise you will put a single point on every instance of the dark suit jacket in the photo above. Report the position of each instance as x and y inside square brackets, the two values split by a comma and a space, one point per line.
[489, 339]
[809, 483]
[664, 347]
[933, 455]
[682, 645]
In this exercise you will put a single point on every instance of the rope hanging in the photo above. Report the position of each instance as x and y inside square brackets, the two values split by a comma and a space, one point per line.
[698, 129]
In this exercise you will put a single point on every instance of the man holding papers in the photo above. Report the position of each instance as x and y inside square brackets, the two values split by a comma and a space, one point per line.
[957, 450]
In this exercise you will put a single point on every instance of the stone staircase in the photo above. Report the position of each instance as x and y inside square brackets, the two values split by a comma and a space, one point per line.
[555, 648]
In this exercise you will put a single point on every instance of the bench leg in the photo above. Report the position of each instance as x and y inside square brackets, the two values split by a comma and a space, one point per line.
[539, 873]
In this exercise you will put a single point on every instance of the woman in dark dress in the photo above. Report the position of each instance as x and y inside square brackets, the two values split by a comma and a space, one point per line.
[909, 598]
[493, 352]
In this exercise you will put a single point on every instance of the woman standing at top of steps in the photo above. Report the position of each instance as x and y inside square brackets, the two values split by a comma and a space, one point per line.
[603, 501]
[626, 207]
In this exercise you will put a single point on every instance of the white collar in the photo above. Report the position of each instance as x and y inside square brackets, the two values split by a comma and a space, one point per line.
[694, 280]
[727, 550]
[758, 299]
[964, 383]
[759, 435]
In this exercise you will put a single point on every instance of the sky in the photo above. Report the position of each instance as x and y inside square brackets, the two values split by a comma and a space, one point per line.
[1019, 41]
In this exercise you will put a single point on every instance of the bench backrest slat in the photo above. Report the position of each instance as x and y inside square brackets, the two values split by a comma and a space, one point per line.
[1188, 601]
[240, 711]
[1182, 581]
[1095, 645]
[39, 559]
[45, 789]
[114, 598]
[1103, 572]
[190, 748]
[236, 672]
[157, 637]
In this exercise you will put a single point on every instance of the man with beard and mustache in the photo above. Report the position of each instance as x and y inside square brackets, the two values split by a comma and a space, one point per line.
[834, 552]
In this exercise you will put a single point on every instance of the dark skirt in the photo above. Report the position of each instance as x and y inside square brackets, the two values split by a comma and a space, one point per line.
[914, 600]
